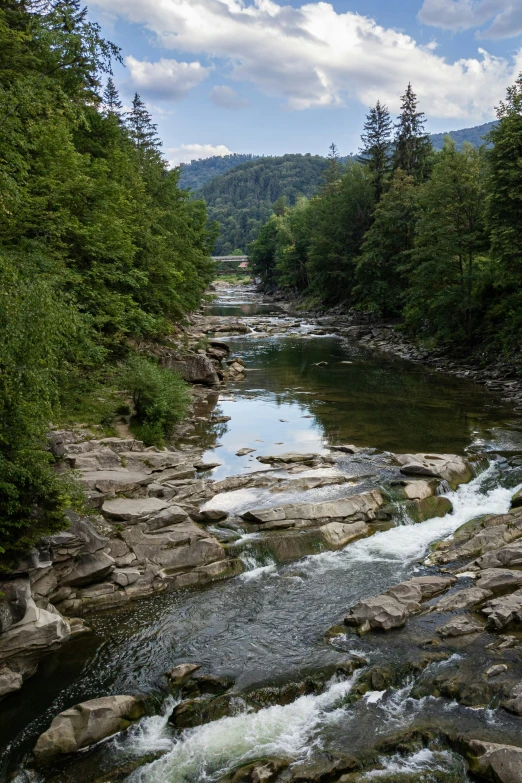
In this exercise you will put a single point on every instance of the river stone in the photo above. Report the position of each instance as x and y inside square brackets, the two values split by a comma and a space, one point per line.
[40, 630]
[259, 516]
[85, 724]
[172, 515]
[9, 681]
[290, 457]
[480, 536]
[419, 490]
[89, 569]
[459, 626]
[132, 510]
[501, 763]
[463, 599]
[408, 594]
[510, 555]
[346, 448]
[383, 612]
[212, 515]
[431, 586]
[503, 611]
[125, 576]
[449, 467]
[499, 579]
[516, 501]
[244, 452]
[182, 672]
[514, 701]
[338, 534]
[194, 369]
[113, 481]
[365, 504]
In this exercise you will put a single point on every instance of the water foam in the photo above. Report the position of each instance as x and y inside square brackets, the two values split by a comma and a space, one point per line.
[423, 761]
[207, 752]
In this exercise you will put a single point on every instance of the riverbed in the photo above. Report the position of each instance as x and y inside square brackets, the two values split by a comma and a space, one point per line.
[302, 392]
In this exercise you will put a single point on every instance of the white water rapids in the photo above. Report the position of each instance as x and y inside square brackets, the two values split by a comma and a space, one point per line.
[206, 752]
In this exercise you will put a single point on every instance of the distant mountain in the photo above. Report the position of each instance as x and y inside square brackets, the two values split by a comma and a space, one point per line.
[198, 172]
[241, 189]
[474, 135]
[241, 200]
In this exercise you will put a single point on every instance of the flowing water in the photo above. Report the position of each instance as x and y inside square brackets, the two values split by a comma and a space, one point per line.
[269, 623]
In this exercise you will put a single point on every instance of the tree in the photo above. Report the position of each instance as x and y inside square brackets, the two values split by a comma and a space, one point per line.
[413, 151]
[142, 130]
[292, 246]
[375, 154]
[450, 239]
[334, 169]
[111, 99]
[262, 252]
[382, 270]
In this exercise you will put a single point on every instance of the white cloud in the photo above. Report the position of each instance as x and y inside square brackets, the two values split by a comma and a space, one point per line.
[227, 98]
[506, 16]
[313, 56]
[165, 79]
[188, 152]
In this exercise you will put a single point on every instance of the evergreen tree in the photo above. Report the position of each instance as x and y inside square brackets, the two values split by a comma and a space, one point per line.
[449, 240]
[111, 99]
[382, 268]
[142, 130]
[375, 153]
[413, 151]
[333, 171]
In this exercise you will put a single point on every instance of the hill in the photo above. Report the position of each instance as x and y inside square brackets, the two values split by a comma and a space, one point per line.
[474, 135]
[197, 173]
[241, 200]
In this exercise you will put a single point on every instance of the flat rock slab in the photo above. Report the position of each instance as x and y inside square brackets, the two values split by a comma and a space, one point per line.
[499, 579]
[459, 626]
[132, 510]
[115, 480]
[290, 457]
[463, 599]
[503, 611]
[450, 467]
[502, 763]
[366, 504]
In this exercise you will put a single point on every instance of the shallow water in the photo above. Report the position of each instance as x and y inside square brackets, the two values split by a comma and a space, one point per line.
[270, 622]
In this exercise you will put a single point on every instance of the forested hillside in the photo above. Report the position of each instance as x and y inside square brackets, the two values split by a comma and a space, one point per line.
[429, 238]
[241, 200]
[98, 248]
[197, 173]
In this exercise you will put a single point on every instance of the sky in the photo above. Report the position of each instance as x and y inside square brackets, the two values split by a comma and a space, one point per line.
[271, 77]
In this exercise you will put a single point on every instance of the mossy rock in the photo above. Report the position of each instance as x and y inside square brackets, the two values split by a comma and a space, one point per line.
[435, 506]
[516, 501]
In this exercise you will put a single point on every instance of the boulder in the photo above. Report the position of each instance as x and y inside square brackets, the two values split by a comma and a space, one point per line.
[13, 603]
[514, 700]
[290, 457]
[179, 674]
[111, 482]
[172, 515]
[244, 452]
[510, 555]
[366, 505]
[450, 467]
[490, 761]
[212, 515]
[459, 626]
[463, 599]
[499, 579]
[346, 448]
[516, 501]
[382, 612]
[9, 681]
[133, 510]
[480, 536]
[503, 611]
[85, 724]
[103, 459]
[431, 586]
[89, 569]
[338, 534]
[40, 631]
[194, 369]
[176, 548]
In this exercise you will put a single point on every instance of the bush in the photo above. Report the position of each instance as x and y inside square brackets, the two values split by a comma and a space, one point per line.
[160, 398]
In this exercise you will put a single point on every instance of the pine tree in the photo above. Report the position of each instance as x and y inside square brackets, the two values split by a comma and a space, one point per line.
[375, 153]
[142, 130]
[333, 171]
[111, 99]
[413, 151]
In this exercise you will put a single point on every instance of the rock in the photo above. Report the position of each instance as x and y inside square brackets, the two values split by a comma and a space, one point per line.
[431, 586]
[514, 701]
[459, 626]
[503, 611]
[202, 465]
[133, 510]
[499, 579]
[495, 671]
[179, 674]
[516, 501]
[382, 612]
[366, 504]
[89, 569]
[346, 448]
[212, 515]
[290, 457]
[13, 603]
[125, 576]
[259, 516]
[103, 459]
[40, 631]
[123, 444]
[244, 452]
[449, 467]
[462, 599]
[9, 681]
[194, 369]
[419, 490]
[172, 515]
[338, 534]
[199, 711]
[510, 555]
[110, 482]
[500, 763]
[86, 724]
[175, 549]
[480, 536]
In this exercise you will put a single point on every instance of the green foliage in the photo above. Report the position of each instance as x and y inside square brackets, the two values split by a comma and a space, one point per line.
[160, 398]
[382, 269]
[197, 173]
[413, 152]
[376, 139]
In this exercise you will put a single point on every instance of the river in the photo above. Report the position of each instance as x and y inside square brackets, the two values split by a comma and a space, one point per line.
[270, 621]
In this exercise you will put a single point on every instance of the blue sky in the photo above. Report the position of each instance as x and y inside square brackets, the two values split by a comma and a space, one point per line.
[277, 76]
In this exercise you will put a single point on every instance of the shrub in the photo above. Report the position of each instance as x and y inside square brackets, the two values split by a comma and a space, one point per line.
[160, 398]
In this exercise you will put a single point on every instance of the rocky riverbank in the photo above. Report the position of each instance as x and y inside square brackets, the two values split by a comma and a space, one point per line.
[158, 521]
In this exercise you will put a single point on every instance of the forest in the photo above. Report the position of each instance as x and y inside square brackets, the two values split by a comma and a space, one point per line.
[197, 173]
[429, 239]
[99, 249]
